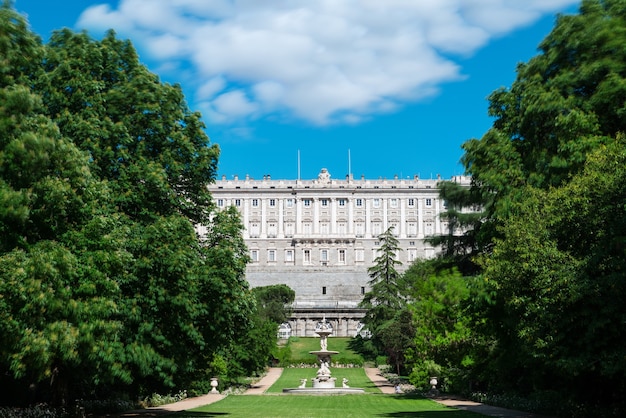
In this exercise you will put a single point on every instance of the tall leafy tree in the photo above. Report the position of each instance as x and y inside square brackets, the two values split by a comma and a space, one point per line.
[181, 297]
[564, 103]
[559, 279]
[138, 131]
[58, 312]
[536, 172]
[104, 282]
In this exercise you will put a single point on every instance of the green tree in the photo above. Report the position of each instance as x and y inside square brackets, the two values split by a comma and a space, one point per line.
[183, 299]
[559, 279]
[397, 337]
[442, 340]
[58, 312]
[274, 302]
[564, 103]
[465, 214]
[139, 132]
[105, 284]
[384, 297]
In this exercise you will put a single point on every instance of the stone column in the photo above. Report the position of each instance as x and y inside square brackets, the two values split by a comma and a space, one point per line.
[333, 216]
[281, 219]
[316, 216]
[299, 204]
[385, 203]
[263, 232]
[420, 218]
[350, 202]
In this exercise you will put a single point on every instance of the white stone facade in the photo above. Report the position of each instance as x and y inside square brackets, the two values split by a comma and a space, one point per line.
[319, 236]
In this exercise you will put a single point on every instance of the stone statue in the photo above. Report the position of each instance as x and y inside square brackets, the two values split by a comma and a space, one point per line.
[345, 383]
[302, 383]
[324, 370]
[323, 342]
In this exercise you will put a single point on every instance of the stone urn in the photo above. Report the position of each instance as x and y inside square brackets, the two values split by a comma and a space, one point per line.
[214, 384]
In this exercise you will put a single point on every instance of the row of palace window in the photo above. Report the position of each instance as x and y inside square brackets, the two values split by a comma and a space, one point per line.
[324, 256]
[376, 202]
[254, 228]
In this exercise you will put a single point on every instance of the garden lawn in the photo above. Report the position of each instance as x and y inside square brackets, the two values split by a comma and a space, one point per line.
[344, 406]
[290, 378]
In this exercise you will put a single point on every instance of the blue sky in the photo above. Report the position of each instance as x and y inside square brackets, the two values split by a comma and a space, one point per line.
[396, 85]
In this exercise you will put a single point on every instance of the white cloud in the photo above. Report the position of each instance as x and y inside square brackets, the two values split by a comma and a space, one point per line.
[324, 61]
[233, 105]
[210, 88]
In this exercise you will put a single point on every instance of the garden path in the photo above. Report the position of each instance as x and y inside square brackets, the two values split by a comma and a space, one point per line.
[373, 373]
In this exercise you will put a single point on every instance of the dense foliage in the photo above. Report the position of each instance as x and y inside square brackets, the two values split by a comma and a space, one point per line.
[549, 280]
[105, 284]
[527, 296]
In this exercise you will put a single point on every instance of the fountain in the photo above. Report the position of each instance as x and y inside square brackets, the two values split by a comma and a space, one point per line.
[323, 382]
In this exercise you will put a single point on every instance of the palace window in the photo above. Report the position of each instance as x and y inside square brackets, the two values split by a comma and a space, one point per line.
[307, 202]
[359, 229]
[342, 202]
[429, 202]
[376, 203]
[271, 255]
[306, 256]
[255, 229]
[237, 202]
[342, 256]
[254, 256]
[411, 202]
[272, 230]
[359, 255]
[324, 202]
[220, 202]
[255, 202]
[359, 202]
[272, 202]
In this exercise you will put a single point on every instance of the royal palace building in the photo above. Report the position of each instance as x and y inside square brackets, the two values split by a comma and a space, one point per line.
[319, 237]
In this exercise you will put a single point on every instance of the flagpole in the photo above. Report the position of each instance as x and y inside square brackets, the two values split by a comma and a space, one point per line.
[349, 163]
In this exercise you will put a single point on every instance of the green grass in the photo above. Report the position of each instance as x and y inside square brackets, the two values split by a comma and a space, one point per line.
[290, 378]
[300, 347]
[344, 406]
[275, 404]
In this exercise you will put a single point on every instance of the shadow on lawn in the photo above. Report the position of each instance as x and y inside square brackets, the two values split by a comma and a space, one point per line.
[431, 414]
[440, 413]
[198, 414]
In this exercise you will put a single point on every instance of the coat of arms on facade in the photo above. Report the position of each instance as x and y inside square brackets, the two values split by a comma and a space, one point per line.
[323, 177]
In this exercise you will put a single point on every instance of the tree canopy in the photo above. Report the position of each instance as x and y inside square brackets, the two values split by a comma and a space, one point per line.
[547, 247]
[105, 283]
